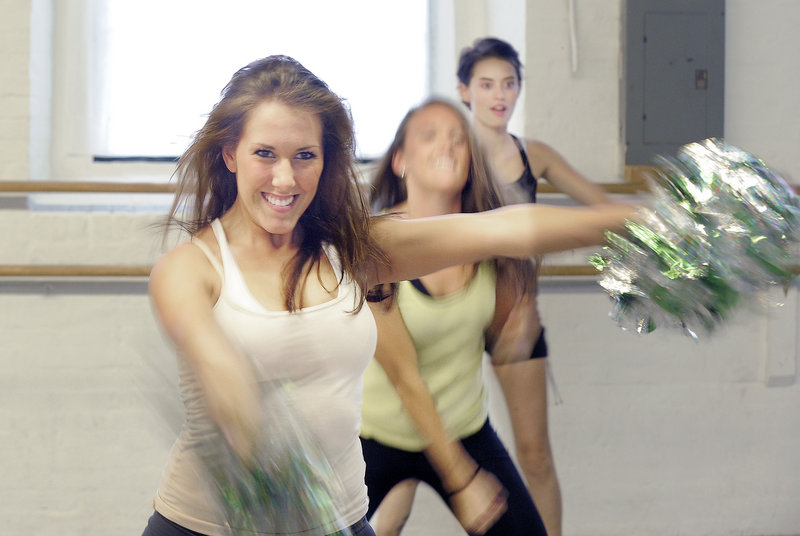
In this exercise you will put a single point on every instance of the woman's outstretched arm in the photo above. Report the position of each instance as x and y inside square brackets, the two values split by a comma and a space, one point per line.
[416, 247]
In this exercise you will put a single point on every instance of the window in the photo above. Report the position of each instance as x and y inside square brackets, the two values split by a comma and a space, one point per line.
[151, 70]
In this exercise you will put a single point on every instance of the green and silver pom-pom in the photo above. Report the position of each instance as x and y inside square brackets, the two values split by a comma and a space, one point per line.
[719, 229]
[288, 488]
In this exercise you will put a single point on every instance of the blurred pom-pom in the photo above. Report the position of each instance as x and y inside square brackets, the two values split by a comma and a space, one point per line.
[718, 231]
[288, 487]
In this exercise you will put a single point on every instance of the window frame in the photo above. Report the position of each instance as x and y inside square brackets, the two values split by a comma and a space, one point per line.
[65, 154]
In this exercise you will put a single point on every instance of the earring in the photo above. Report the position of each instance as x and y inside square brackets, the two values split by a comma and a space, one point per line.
[403, 173]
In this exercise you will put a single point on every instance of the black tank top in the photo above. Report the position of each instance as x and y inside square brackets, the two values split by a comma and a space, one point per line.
[527, 182]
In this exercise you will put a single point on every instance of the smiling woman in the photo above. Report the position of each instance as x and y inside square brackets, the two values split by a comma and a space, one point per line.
[238, 303]
[277, 162]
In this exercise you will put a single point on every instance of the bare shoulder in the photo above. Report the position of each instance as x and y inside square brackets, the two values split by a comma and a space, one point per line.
[539, 150]
[184, 267]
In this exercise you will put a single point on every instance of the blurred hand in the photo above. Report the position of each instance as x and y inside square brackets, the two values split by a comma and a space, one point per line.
[480, 504]
[233, 404]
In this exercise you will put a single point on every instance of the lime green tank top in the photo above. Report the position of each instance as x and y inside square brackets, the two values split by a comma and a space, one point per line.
[448, 334]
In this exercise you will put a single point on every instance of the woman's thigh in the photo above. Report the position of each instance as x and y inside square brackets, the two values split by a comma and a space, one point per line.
[521, 517]
[386, 466]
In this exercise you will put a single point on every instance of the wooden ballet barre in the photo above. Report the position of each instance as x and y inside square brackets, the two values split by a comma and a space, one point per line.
[25, 187]
[567, 269]
[624, 188]
[73, 270]
[66, 270]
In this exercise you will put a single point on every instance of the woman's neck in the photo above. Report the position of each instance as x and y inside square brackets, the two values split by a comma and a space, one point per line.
[423, 205]
[492, 138]
[240, 228]
[453, 278]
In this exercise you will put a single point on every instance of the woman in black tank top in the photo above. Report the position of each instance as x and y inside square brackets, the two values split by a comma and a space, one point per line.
[489, 73]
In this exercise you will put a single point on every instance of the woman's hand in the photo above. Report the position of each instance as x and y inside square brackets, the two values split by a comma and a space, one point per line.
[480, 503]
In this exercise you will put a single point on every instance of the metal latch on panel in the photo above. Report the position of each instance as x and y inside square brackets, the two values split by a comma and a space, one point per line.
[701, 79]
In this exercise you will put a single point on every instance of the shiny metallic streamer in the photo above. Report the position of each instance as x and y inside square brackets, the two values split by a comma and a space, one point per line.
[717, 231]
[289, 488]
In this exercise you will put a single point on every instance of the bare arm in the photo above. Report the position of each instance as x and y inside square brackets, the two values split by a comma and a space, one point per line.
[513, 332]
[398, 358]
[475, 502]
[553, 167]
[420, 246]
[182, 288]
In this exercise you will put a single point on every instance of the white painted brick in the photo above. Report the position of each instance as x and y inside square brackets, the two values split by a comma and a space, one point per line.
[577, 113]
[650, 426]
[13, 128]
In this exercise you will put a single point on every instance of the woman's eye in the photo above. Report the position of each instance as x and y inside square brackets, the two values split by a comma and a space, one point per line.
[265, 153]
[306, 155]
[486, 85]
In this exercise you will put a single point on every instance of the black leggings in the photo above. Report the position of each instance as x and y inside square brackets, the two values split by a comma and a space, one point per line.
[387, 466]
[159, 525]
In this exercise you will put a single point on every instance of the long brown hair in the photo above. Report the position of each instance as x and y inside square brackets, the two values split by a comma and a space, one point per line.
[337, 215]
[480, 191]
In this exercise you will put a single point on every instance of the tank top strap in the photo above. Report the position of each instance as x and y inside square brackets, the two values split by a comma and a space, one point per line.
[233, 283]
[522, 152]
[211, 258]
[528, 179]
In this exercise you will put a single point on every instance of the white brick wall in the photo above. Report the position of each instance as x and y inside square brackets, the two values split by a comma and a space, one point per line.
[577, 113]
[85, 381]
[762, 51]
[657, 435]
[14, 89]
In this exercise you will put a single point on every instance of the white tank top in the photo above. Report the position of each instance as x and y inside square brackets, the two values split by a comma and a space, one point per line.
[322, 350]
